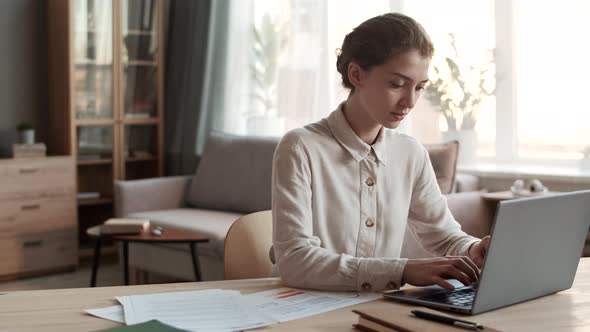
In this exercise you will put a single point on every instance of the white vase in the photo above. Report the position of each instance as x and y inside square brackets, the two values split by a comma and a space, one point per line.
[267, 125]
[467, 144]
[26, 136]
[585, 164]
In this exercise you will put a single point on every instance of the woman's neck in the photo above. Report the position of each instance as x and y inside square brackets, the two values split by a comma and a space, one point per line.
[359, 120]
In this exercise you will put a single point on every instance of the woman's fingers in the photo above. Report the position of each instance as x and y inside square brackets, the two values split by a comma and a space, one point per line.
[423, 272]
[482, 251]
[442, 283]
[478, 261]
[466, 265]
[485, 243]
[451, 271]
[471, 263]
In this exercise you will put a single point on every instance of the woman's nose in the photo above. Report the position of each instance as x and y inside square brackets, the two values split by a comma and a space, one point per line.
[409, 98]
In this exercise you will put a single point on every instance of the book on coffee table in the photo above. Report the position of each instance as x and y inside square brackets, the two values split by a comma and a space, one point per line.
[124, 226]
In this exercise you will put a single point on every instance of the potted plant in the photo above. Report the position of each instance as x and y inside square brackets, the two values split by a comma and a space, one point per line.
[270, 40]
[457, 89]
[26, 133]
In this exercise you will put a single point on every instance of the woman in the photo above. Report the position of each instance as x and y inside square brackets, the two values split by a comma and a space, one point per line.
[344, 188]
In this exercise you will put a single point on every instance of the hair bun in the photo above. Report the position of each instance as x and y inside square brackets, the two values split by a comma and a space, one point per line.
[377, 39]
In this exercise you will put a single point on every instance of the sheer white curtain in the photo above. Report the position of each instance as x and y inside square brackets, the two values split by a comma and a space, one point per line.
[306, 85]
[235, 91]
[226, 69]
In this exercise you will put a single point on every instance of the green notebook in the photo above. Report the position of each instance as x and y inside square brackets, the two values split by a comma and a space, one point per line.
[149, 326]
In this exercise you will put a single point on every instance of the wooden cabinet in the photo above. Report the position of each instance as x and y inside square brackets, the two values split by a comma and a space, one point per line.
[38, 219]
[106, 97]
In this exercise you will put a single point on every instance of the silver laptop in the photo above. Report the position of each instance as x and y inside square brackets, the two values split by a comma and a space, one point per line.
[535, 249]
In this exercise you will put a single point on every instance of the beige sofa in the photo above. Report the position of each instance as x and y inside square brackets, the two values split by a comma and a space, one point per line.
[233, 178]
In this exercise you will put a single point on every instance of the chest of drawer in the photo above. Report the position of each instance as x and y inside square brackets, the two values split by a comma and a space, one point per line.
[36, 215]
[36, 177]
[38, 251]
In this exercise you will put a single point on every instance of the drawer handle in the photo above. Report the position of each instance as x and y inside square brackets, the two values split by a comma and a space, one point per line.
[28, 170]
[32, 244]
[11, 219]
[8, 219]
[30, 207]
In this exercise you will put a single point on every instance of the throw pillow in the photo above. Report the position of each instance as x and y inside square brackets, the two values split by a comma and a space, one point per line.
[444, 161]
[234, 174]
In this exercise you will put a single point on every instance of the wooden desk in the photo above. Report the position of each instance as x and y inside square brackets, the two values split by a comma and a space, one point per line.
[62, 310]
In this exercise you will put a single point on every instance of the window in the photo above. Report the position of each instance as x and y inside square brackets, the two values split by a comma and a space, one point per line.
[472, 24]
[551, 66]
[539, 113]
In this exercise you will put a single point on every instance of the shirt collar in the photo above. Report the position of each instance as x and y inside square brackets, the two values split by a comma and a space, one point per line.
[351, 142]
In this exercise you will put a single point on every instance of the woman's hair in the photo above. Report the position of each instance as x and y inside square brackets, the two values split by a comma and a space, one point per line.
[374, 41]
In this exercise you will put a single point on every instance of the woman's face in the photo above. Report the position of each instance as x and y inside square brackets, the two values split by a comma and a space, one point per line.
[389, 91]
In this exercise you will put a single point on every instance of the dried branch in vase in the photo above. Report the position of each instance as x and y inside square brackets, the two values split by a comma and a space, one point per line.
[457, 89]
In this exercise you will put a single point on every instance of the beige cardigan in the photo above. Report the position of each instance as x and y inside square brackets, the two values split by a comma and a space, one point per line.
[340, 207]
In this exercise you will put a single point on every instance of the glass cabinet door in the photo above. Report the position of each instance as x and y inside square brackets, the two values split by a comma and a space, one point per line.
[95, 153]
[139, 58]
[95, 143]
[141, 151]
[93, 60]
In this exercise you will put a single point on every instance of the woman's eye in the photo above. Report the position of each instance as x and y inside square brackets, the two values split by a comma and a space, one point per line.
[419, 88]
[396, 84]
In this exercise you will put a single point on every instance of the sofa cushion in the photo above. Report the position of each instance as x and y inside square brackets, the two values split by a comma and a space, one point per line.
[444, 161]
[466, 182]
[234, 174]
[213, 224]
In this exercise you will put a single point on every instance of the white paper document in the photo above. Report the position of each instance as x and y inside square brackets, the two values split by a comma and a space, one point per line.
[114, 313]
[285, 304]
[227, 310]
[207, 310]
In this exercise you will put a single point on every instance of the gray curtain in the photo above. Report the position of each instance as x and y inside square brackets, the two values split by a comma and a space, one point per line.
[195, 65]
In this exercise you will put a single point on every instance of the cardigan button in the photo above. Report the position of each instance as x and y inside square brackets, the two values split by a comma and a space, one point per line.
[370, 182]
[366, 286]
[369, 222]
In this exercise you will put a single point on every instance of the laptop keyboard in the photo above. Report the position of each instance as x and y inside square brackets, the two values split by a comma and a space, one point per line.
[459, 298]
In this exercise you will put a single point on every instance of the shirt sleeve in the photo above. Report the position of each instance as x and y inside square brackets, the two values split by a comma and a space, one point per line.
[430, 219]
[300, 258]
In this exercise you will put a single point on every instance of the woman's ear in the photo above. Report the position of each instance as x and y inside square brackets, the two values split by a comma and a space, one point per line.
[356, 74]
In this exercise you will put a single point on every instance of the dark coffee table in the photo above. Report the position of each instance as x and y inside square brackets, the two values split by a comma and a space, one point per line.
[169, 235]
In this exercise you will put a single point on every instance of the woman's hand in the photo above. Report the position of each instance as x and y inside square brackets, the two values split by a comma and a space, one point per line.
[478, 251]
[429, 271]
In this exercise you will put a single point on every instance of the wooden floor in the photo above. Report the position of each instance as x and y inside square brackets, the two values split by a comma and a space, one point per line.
[109, 274]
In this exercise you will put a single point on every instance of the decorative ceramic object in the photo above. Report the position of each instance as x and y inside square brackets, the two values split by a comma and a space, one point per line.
[585, 162]
[26, 133]
[467, 144]
[522, 188]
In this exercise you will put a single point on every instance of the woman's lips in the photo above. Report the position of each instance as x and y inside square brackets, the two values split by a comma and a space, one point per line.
[398, 116]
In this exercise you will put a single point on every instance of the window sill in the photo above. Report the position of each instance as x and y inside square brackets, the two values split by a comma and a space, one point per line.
[511, 171]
